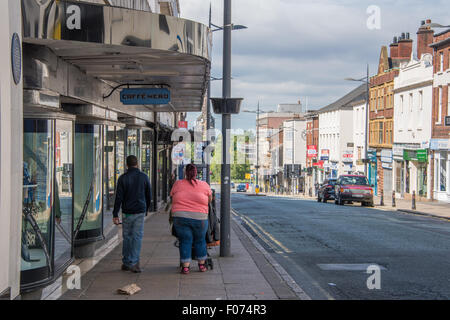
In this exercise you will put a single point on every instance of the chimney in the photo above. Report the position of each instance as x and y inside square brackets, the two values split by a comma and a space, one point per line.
[394, 48]
[424, 39]
[404, 47]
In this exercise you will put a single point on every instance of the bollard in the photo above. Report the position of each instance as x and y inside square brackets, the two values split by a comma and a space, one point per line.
[382, 198]
[393, 199]
[414, 200]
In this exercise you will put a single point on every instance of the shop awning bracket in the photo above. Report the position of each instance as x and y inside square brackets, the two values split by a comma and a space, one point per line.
[160, 85]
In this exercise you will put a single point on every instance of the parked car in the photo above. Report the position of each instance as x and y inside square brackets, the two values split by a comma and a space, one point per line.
[241, 188]
[233, 185]
[353, 188]
[326, 190]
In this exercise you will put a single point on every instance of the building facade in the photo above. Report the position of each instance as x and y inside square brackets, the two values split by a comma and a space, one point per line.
[65, 111]
[312, 143]
[412, 129]
[381, 113]
[440, 144]
[359, 135]
[336, 135]
[294, 154]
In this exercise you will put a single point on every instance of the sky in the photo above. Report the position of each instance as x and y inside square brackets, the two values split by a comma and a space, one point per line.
[303, 50]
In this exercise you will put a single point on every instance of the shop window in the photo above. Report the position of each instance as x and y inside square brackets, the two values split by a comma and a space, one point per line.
[63, 192]
[88, 182]
[38, 152]
[443, 172]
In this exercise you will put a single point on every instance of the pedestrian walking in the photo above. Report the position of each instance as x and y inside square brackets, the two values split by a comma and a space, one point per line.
[190, 199]
[133, 195]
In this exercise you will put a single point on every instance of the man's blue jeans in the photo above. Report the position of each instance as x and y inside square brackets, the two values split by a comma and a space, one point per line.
[191, 232]
[133, 232]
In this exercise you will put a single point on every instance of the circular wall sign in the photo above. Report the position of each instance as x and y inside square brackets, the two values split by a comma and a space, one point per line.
[16, 58]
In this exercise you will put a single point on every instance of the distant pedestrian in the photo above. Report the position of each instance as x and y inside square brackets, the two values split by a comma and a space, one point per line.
[190, 199]
[133, 194]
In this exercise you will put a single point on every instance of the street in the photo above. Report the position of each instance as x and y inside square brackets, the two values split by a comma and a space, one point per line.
[327, 248]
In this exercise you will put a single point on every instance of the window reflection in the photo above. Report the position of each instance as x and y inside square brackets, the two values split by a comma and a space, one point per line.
[37, 194]
[63, 192]
[88, 181]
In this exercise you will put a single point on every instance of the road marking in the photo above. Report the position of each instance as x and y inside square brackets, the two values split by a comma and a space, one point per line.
[268, 235]
[283, 273]
[348, 266]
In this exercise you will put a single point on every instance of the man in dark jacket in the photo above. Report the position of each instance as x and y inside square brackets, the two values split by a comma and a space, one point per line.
[133, 194]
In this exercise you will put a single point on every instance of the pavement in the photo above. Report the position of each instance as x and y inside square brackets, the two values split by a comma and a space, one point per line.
[247, 275]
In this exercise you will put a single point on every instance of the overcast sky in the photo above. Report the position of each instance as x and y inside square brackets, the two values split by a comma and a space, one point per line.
[302, 50]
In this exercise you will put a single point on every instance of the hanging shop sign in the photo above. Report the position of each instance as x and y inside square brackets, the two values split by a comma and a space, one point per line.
[144, 96]
[325, 154]
[420, 155]
[312, 152]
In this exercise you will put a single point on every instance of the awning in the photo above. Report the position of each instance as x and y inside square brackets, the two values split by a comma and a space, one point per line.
[121, 46]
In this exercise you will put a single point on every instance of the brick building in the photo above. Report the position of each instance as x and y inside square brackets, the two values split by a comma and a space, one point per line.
[381, 112]
[312, 139]
[439, 144]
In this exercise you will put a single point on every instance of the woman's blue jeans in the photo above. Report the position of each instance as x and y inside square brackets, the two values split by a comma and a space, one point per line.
[191, 233]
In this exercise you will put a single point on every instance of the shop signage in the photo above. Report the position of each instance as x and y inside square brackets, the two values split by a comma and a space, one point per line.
[183, 124]
[16, 58]
[386, 156]
[325, 154]
[347, 156]
[372, 155]
[439, 144]
[312, 151]
[386, 165]
[144, 96]
[420, 155]
[318, 164]
[447, 121]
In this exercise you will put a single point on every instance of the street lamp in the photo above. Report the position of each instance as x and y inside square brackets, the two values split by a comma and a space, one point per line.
[226, 106]
[366, 138]
[208, 107]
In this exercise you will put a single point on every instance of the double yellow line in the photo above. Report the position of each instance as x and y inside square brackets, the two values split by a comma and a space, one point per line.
[276, 245]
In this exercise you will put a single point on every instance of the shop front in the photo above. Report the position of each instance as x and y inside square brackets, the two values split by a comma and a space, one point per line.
[441, 157]
[78, 131]
[48, 193]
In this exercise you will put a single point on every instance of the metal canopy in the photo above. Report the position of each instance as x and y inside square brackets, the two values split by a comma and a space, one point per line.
[120, 46]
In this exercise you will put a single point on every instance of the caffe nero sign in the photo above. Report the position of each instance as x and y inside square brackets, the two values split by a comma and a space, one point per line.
[145, 96]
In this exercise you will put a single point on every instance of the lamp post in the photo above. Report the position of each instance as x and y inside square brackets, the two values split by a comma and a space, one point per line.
[366, 138]
[226, 106]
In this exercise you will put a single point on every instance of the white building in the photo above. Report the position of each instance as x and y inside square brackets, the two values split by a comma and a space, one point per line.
[336, 134]
[294, 148]
[359, 135]
[412, 127]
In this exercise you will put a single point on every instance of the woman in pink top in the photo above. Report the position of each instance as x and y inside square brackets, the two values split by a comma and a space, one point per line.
[190, 199]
